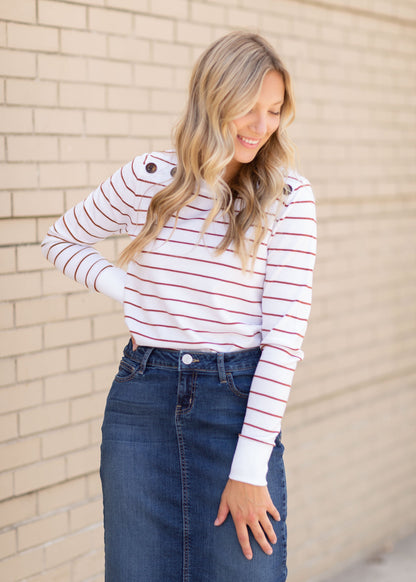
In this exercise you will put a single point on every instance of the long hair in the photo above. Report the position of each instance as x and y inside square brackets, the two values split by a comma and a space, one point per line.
[224, 85]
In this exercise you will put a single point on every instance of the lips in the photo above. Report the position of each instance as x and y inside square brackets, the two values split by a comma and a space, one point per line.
[248, 142]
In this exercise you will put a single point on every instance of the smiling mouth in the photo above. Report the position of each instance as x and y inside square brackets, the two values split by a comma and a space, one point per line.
[248, 142]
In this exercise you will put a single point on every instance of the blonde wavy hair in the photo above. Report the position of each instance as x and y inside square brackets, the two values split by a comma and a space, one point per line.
[224, 85]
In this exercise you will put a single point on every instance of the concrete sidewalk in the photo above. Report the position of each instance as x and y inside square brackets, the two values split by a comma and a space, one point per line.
[397, 565]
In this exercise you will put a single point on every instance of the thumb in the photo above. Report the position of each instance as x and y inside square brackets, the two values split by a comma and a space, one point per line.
[223, 511]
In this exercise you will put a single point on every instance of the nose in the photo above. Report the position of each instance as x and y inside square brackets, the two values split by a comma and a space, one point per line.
[259, 124]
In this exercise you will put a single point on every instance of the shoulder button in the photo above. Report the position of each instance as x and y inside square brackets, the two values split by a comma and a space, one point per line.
[173, 171]
[151, 168]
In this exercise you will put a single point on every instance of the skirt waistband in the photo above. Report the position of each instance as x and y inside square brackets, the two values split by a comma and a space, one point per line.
[190, 360]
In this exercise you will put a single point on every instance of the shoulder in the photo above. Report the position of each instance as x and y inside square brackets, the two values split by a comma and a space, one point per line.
[155, 167]
[299, 188]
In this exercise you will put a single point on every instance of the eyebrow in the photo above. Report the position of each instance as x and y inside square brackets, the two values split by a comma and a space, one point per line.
[278, 102]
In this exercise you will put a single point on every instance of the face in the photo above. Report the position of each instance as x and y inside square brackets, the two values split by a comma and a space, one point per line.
[254, 129]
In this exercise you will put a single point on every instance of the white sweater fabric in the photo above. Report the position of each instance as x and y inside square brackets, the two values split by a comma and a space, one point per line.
[179, 294]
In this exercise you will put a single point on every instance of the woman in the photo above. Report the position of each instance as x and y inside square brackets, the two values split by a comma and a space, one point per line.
[216, 299]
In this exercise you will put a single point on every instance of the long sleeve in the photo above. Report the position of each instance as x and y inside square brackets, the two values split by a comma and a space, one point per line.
[286, 306]
[111, 208]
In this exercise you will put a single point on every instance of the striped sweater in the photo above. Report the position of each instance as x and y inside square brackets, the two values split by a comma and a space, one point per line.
[179, 294]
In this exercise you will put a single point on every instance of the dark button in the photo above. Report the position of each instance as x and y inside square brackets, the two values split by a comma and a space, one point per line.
[151, 168]
[287, 189]
[173, 171]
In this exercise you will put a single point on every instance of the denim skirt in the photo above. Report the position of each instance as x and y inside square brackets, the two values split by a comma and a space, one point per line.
[170, 429]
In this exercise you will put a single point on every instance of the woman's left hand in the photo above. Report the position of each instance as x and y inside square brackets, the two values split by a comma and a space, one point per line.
[249, 506]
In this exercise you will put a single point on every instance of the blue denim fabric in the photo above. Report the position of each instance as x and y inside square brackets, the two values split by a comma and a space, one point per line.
[169, 433]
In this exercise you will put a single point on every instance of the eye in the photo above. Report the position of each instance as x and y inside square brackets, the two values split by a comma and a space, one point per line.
[275, 113]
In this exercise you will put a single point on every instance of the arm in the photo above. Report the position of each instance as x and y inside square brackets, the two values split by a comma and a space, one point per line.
[286, 306]
[111, 208]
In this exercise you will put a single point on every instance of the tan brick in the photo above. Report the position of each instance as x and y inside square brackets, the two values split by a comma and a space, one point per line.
[64, 333]
[153, 28]
[6, 486]
[171, 54]
[62, 14]
[20, 396]
[82, 95]
[89, 565]
[24, 92]
[65, 440]
[58, 122]
[5, 204]
[18, 175]
[83, 148]
[107, 72]
[8, 544]
[207, 14]
[2, 143]
[32, 148]
[123, 149]
[54, 282]
[42, 530]
[22, 565]
[83, 462]
[8, 370]
[152, 124]
[173, 104]
[3, 34]
[24, 11]
[86, 514]
[63, 495]
[44, 417]
[107, 123]
[128, 99]
[62, 174]
[68, 385]
[45, 363]
[128, 49]
[18, 509]
[87, 407]
[87, 304]
[109, 325]
[15, 120]
[71, 546]
[96, 354]
[24, 339]
[130, 5]
[112, 21]
[177, 9]
[191, 33]
[29, 258]
[37, 38]
[40, 310]
[94, 484]
[153, 76]
[65, 68]
[38, 203]
[21, 230]
[59, 574]
[40, 475]
[95, 428]
[6, 315]
[83, 43]
[7, 260]
[17, 63]
[8, 427]
[19, 453]
[20, 286]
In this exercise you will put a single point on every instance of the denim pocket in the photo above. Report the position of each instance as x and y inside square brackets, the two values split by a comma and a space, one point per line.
[126, 371]
[240, 383]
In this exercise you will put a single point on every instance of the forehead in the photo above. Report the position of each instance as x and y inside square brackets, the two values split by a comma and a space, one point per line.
[272, 89]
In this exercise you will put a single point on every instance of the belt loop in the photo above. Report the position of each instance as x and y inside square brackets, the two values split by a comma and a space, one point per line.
[221, 367]
[143, 363]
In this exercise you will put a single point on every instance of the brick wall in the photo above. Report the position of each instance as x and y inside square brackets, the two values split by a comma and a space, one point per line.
[87, 84]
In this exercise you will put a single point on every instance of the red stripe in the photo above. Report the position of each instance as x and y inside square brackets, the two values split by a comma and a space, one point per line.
[271, 380]
[81, 261]
[70, 259]
[189, 288]
[296, 234]
[259, 427]
[187, 343]
[292, 251]
[182, 301]
[98, 274]
[264, 412]
[257, 440]
[70, 232]
[283, 350]
[88, 272]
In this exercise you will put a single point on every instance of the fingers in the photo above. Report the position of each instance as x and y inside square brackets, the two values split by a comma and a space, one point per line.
[223, 511]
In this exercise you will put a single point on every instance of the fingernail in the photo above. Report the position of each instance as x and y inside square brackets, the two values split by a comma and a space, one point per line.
[249, 556]
[269, 552]
[217, 522]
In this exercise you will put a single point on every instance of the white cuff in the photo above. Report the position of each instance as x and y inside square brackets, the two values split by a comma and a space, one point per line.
[111, 282]
[250, 463]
